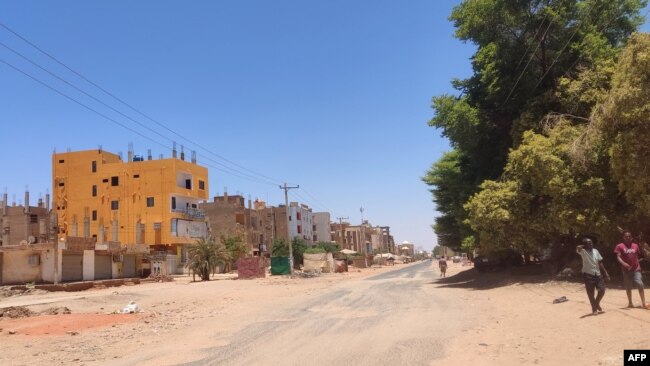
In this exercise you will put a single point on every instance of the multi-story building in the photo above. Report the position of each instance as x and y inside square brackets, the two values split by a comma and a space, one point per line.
[228, 215]
[107, 206]
[321, 227]
[406, 248]
[301, 221]
[26, 243]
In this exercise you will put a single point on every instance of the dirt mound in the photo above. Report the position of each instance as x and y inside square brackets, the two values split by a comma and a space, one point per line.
[56, 311]
[15, 312]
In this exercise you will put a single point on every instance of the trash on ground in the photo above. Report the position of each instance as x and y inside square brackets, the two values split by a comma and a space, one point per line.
[560, 300]
[131, 308]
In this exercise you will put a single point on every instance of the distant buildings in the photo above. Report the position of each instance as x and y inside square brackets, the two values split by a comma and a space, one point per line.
[363, 238]
[112, 218]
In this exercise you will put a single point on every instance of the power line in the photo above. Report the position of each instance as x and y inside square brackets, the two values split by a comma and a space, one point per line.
[119, 123]
[133, 108]
[528, 63]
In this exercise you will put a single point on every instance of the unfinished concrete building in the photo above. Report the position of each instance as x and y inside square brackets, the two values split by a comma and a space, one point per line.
[229, 216]
[27, 242]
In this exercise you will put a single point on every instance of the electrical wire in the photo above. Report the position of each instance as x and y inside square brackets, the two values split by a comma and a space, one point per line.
[275, 181]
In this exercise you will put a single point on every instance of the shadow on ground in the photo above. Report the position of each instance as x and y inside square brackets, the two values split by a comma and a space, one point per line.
[475, 280]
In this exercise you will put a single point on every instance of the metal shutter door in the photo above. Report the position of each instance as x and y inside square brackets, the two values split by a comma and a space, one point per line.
[103, 267]
[128, 266]
[72, 267]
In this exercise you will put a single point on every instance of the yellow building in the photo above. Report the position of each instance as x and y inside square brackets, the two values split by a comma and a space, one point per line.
[136, 203]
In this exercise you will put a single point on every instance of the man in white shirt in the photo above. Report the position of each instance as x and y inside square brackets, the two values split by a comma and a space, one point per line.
[592, 267]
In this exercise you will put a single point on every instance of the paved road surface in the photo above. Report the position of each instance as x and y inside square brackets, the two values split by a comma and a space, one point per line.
[396, 318]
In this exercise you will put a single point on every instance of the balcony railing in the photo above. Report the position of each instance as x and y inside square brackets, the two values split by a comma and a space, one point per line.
[193, 213]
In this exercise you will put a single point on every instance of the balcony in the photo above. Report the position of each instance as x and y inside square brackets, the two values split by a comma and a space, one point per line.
[190, 212]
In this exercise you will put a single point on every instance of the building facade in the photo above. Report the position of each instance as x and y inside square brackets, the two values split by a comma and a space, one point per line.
[121, 209]
[321, 227]
[228, 215]
[26, 244]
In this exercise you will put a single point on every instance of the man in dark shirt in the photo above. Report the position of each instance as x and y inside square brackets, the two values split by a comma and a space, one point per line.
[442, 264]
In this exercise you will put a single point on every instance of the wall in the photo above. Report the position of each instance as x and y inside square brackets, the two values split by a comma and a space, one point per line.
[47, 265]
[16, 268]
[89, 265]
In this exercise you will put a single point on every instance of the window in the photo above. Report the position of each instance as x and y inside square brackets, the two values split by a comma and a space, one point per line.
[136, 176]
[201, 185]
[105, 180]
[34, 260]
[33, 219]
[173, 203]
[115, 205]
[94, 191]
[61, 182]
[298, 216]
[299, 229]
[61, 161]
[115, 181]
[188, 183]
[94, 215]
[93, 166]
[150, 202]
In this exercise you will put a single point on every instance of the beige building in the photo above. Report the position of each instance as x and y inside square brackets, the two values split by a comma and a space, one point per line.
[228, 215]
[26, 245]
[406, 248]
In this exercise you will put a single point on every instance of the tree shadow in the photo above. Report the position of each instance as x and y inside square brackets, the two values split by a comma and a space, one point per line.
[475, 280]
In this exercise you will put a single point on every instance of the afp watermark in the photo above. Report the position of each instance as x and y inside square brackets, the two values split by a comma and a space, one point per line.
[636, 357]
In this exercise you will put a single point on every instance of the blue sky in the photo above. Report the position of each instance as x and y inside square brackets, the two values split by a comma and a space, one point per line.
[331, 95]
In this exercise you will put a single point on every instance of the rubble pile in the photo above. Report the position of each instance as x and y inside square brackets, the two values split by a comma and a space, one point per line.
[160, 277]
[56, 311]
[15, 312]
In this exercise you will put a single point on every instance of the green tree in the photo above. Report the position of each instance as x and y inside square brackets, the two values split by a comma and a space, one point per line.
[624, 119]
[280, 248]
[544, 195]
[203, 257]
[533, 58]
[235, 247]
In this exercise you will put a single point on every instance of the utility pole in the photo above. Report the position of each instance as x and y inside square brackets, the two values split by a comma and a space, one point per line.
[363, 232]
[341, 229]
[286, 206]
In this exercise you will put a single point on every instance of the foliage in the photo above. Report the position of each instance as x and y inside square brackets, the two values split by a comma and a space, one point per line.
[203, 257]
[625, 118]
[280, 248]
[298, 246]
[315, 250]
[328, 246]
[234, 247]
[534, 61]
[544, 195]
[469, 244]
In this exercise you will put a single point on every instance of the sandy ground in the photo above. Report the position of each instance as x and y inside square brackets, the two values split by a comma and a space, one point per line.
[510, 322]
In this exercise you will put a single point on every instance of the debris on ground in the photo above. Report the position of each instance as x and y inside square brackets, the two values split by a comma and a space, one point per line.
[56, 311]
[160, 277]
[560, 300]
[15, 312]
[131, 308]
[308, 274]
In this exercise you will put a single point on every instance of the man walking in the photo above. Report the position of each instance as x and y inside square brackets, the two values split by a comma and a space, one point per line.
[627, 254]
[442, 264]
[592, 270]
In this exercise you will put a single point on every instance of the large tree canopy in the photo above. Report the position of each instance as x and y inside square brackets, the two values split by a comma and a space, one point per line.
[533, 59]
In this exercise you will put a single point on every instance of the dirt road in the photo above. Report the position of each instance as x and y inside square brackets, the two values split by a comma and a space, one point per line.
[404, 315]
